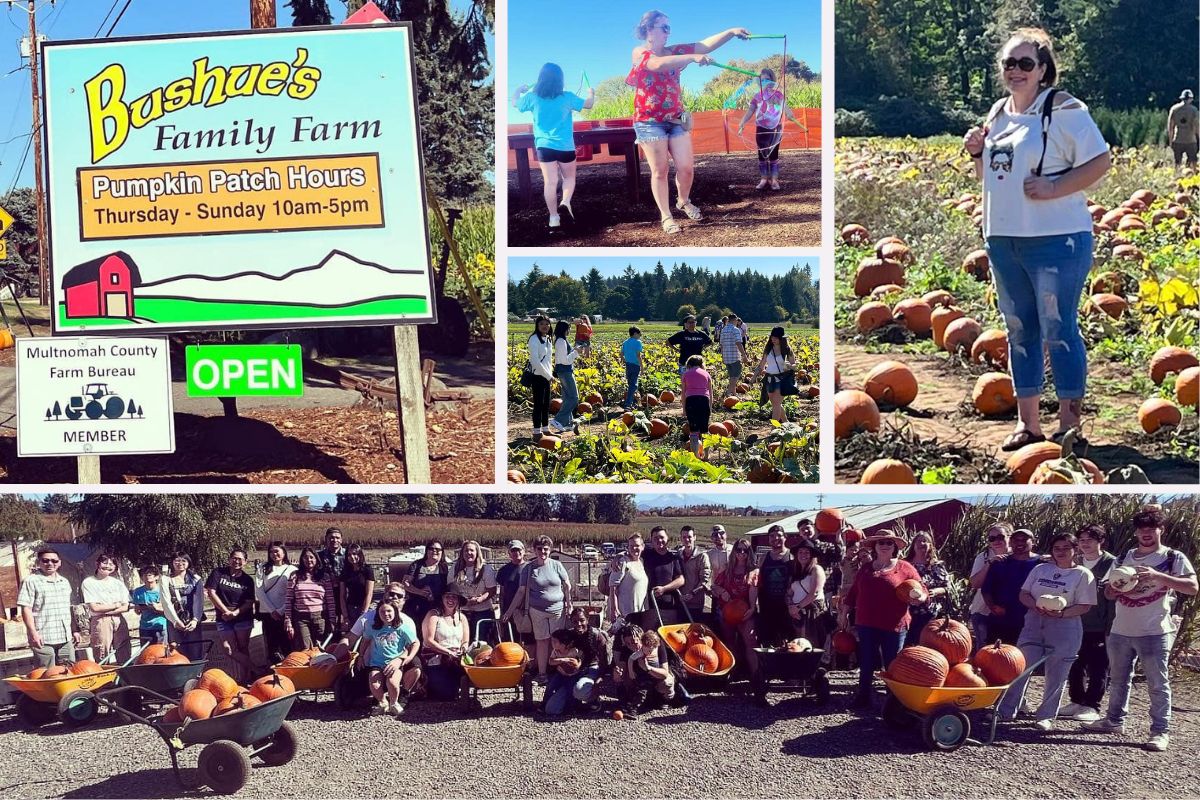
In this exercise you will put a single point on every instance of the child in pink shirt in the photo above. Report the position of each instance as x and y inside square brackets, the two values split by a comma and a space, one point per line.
[697, 400]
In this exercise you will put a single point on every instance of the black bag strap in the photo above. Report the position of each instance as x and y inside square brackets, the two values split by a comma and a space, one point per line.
[1047, 111]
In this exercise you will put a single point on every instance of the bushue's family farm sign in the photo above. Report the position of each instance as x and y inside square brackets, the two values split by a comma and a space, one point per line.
[267, 179]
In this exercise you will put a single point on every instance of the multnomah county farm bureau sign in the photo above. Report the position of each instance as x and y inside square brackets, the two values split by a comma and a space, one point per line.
[93, 395]
[236, 180]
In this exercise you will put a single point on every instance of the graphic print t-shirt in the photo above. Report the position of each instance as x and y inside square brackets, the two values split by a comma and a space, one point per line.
[690, 343]
[1146, 611]
[1076, 585]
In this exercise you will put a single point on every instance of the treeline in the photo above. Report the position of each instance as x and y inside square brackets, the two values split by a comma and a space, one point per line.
[658, 294]
[924, 67]
[611, 509]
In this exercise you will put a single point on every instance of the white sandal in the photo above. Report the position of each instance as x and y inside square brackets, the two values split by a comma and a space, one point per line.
[690, 209]
[669, 225]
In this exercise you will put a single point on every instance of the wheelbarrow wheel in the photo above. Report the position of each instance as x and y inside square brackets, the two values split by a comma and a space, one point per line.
[527, 692]
[343, 692]
[224, 766]
[945, 729]
[78, 708]
[32, 713]
[280, 748]
[820, 687]
[895, 715]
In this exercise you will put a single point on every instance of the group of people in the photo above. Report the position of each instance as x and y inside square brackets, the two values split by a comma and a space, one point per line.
[663, 126]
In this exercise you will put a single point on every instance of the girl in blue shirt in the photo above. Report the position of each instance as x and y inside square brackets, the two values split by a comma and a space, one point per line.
[554, 136]
[393, 647]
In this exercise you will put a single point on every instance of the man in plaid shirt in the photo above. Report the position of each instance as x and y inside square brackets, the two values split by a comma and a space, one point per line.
[733, 352]
[45, 603]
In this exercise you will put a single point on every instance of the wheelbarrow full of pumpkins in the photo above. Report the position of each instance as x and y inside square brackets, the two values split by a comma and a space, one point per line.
[325, 669]
[500, 668]
[795, 666]
[936, 685]
[55, 692]
[163, 669]
[705, 659]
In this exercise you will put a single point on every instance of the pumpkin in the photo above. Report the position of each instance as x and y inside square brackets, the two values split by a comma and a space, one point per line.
[938, 297]
[879, 292]
[964, 676]
[731, 426]
[743, 387]
[730, 402]
[583, 408]
[1187, 387]
[1144, 196]
[57, 671]
[548, 441]
[1000, 663]
[940, 319]
[594, 398]
[699, 634]
[6, 339]
[296, 658]
[733, 612]
[829, 520]
[701, 658]
[1110, 304]
[667, 397]
[887, 470]
[854, 410]
[977, 265]
[174, 656]
[1123, 579]
[272, 686]
[1170, 359]
[961, 334]
[871, 316]
[875, 272]
[507, 654]
[912, 591]
[1097, 211]
[814, 392]
[218, 683]
[651, 400]
[1051, 602]
[919, 666]
[555, 405]
[855, 234]
[659, 428]
[991, 348]
[1023, 462]
[197, 704]
[913, 314]
[36, 674]
[85, 666]
[717, 429]
[677, 640]
[515, 476]
[172, 716]
[994, 394]
[1157, 413]
[895, 251]
[628, 418]
[949, 637]
[151, 653]
[1131, 222]
[239, 702]
[844, 643]
[887, 240]
[1126, 252]
[1111, 218]
[891, 382]
[1108, 282]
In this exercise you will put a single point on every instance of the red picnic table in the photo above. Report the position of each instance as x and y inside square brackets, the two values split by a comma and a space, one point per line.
[618, 140]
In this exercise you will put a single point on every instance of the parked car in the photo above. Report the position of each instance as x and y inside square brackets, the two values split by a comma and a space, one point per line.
[590, 553]
[608, 549]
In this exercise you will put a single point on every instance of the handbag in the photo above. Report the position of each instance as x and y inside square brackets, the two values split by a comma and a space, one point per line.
[527, 375]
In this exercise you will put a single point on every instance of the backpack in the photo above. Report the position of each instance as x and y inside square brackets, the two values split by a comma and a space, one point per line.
[1047, 113]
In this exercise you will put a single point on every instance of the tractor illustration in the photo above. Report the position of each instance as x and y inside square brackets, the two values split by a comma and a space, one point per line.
[95, 401]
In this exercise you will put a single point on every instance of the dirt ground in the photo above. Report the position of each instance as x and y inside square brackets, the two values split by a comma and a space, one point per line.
[938, 412]
[735, 214]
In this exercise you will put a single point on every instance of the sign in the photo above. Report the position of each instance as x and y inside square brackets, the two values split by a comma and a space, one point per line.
[369, 14]
[6, 221]
[3, 249]
[236, 180]
[93, 396]
[245, 370]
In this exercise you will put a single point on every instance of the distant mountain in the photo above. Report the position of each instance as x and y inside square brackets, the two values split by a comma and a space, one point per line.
[336, 280]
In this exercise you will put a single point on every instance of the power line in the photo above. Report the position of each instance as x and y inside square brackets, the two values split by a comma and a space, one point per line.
[118, 19]
[106, 16]
[24, 156]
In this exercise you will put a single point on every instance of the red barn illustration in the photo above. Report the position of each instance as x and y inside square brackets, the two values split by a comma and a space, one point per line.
[102, 287]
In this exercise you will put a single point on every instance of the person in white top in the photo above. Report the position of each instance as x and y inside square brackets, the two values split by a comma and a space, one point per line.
[1036, 154]
[997, 548]
[1057, 593]
[776, 364]
[270, 588]
[564, 370]
[107, 599]
[541, 362]
[1144, 627]
[628, 583]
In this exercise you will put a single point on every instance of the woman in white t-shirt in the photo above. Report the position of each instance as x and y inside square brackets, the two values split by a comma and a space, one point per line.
[628, 583]
[806, 594]
[541, 361]
[107, 599]
[1050, 631]
[1037, 226]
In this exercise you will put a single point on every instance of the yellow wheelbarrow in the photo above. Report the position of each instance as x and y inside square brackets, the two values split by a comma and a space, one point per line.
[513, 678]
[941, 711]
[42, 699]
[341, 677]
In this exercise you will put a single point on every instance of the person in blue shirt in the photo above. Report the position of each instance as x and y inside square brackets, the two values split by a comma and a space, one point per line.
[632, 351]
[147, 600]
[1002, 587]
[393, 666]
[554, 136]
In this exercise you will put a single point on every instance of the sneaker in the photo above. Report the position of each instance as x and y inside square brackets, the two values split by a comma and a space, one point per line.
[1070, 710]
[1088, 714]
[762, 184]
[1158, 742]
[555, 221]
[400, 704]
[569, 216]
[554, 428]
[1044, 725]
[380, 708]
[1104, 725]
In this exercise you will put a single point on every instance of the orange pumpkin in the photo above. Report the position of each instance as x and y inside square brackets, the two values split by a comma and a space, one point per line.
[239, 702]
[871, 316]
[994, 394]
[964, 676]
[583, 408]
[547, 442]
[829, 520]
[1187, 387]
[895, 251]
[172, 716]
[731, 426]
[938, 297]
[1131, 222]
[296, 658]
[1107, 282]
[961, 334]
[855, 234]
[219, 684]
[1000, 663]
[1144, 196]
[515, 476]
[85, 667]
[1022, 463]
[272, 686]
[151, 653]
[667, 397]
[733, 612]
[885, 241]
[174, 656]
[1157, 413]
[701, 658]
[887, 470]
[595, 399]
[1110, 304]
[919, 666]
[718, 429]
[949, 637]
[659, 428]
[628, 419]
[743, 387]
[197, 704]
[879, 292]
[555, 405]
[891, 382]
[507, 654]
[1170, 359]
[6, 339]
[36, 674]
[991, 347]
[913, 314]
[976, 265]
[57, 671]
[844, 643]
[730, 402]
[912, 591]
[940, 319]
[854, 410]
[699, 634]
[677, 640]
[650, 400]
[875, 272]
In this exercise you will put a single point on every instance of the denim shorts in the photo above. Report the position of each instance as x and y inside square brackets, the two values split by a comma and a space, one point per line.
[653, 131]
[230, 627]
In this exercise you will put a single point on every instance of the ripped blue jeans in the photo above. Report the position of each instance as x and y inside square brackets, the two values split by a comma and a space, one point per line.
[1039, 280]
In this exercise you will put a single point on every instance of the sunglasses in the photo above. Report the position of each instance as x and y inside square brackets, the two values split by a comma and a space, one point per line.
[50, 561]
[998, 538]
[664, 29]
[394, 595]
[1026, 64]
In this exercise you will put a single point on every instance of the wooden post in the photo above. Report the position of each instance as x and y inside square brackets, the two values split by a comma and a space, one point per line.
[410, 404]
[88, 469]
[262, 13]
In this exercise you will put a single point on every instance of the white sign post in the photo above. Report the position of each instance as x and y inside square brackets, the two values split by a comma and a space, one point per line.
[92, 396]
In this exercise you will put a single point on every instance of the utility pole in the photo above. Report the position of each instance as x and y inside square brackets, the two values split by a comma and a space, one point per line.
[38, 189]
[262, 13]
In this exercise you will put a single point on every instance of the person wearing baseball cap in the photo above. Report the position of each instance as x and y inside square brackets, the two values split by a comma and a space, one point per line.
[509, 578]
[1183, 129]
[1002, 587]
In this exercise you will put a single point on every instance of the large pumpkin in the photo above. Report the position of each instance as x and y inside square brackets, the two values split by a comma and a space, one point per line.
[57, 671]
[173, 656]
[1156, 413]
[991, 347]
[1187, 387]
[912, 591]
[659, 428]
[271, 686]
[667, 396]
[85, 666]
[197, 704]
[1022, 463]
[507, 654]
[854, 410]
[961, 334]
[919, 666]
[914, 314]
[701, 658]
[239, 702]
[699, 634]
[891, 382]
[965, 676]
[1111, 304]
[218, 683]
[1000, 663]
[887, 471]
[844, 643]
[871, 316]
[994, 394]
[1170, 359]
[151, 653]
[875, 272]
[977, 265]
[949, 637]
[36, 674]
[733, 612]
[855, 234]
[829, 520]
[941, 318]
[677, 640]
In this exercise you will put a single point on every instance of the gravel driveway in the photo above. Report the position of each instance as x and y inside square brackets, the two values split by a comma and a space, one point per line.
[719, 747]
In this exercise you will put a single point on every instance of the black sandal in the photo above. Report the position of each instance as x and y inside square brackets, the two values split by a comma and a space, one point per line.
[1080, 441]
[1018, 439]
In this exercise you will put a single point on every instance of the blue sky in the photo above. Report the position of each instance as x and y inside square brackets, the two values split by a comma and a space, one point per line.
[80, 19]
[552, 263]
[598, 37]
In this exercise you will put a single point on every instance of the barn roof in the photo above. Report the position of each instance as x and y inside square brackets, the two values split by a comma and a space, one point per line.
[89, 271]
[861, 517]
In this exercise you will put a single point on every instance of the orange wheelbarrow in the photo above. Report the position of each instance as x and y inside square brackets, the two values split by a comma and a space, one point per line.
[677, 636]
[335, 676]
[513, 679]
[43, 699]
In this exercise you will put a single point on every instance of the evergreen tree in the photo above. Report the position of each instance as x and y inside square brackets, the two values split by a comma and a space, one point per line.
[19, 518]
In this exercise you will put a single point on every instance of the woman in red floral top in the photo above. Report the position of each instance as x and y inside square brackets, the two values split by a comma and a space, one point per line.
[658, 108]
